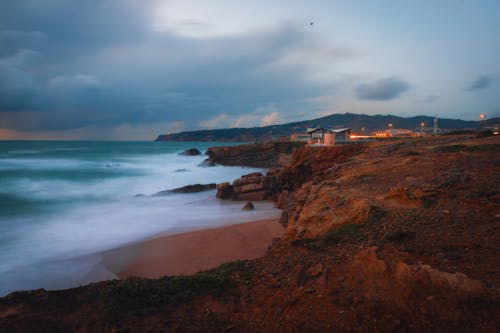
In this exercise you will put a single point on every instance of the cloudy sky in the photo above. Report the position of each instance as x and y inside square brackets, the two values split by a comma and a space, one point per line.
[131, 69]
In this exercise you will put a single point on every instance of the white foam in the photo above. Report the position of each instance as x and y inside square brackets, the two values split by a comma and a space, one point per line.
[102, 214]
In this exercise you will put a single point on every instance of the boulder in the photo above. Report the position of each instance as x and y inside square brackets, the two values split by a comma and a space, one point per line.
[190, 189]
[248, 187]
[248, 206]
[207, 163]
[191, 152]
[224, 191]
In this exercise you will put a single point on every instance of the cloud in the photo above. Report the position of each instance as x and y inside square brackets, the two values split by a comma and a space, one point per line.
[381, 90]
[69, 66]
[78, 80]
[480, 83]
[270, 119]
[219, 121]
[427, 99]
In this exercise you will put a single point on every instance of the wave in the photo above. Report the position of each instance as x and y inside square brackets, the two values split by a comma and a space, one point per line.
[55, 209]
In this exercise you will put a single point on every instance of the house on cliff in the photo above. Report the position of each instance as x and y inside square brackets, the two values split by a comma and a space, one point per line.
[323, 136]
[342, 134]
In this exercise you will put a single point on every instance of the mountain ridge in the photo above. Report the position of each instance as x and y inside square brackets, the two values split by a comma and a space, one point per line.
[357, 122]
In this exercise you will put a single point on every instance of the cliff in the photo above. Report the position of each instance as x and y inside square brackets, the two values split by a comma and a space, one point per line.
[384, 237]
[258, 155]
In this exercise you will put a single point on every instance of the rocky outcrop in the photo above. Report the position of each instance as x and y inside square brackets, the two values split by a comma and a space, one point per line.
[259, 155]
[248, 206]
[253, 186]
[190, 189]
[306, 164]
[191, 152]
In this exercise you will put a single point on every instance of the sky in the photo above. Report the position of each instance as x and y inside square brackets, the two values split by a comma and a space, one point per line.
[133, 69]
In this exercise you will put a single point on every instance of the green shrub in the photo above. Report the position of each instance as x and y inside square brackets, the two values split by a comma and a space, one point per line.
[412, 153]
[346, 232]
[365, 178]
[375, 214]
[399, 236]
[452, 148]
[139, 295]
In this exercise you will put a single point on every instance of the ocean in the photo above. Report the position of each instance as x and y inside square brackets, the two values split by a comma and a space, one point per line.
[61, 203]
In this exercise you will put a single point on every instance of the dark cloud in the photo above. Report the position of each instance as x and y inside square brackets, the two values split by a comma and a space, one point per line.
[381, 90]
[66, 66]
[427, 99]
[480, 83]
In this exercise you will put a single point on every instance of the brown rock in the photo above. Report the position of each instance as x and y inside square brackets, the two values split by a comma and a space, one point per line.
[315, 270]
[190, 189]
[261, 155]
[248, 206]
[191, 152]
[224, 191]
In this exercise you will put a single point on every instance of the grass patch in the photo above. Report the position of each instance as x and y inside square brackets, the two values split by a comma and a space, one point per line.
[488, 147]
[459, 132]
[26, 295]
[375, 214]
[412, 153]
[399, 236]
[428, 201]
[346, 232]
[452, 148]
[315, 244]
[365, 178]
[139, 295]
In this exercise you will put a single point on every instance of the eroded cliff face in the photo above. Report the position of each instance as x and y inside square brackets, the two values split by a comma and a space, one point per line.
[259, 155]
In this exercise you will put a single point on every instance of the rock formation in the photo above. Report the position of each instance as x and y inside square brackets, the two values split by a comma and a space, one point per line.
[259, 155]
[248, 206]
[191, 152]
[190, 189]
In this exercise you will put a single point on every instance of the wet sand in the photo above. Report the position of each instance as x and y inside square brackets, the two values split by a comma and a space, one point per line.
[190, 252]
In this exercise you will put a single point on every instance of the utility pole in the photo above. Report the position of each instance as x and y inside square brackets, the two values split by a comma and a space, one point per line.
[436, 124]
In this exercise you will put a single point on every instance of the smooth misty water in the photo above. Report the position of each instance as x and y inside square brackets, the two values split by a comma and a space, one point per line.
[62, 202]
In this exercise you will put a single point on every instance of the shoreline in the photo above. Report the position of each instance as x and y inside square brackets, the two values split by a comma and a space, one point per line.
[193, 251]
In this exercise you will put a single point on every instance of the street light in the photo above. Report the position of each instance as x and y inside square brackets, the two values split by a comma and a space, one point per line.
[422, 125]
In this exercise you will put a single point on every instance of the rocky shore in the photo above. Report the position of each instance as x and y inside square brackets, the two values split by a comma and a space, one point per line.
[395, 236]
[258, 155]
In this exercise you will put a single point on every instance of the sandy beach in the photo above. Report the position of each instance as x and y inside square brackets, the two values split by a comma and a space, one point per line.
[190, 252]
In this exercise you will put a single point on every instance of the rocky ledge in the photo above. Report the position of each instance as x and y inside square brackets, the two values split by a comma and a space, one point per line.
[190, 189]
[258, 155]
[191, 152]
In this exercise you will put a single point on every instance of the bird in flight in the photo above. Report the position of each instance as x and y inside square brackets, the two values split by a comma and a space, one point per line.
[312, 23]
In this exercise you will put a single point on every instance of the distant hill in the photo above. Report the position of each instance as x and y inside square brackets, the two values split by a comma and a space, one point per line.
[354, 121]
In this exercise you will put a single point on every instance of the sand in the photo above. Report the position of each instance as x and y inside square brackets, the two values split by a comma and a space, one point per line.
[190, 252]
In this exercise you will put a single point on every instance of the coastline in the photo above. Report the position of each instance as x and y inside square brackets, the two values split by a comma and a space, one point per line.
[193, 251]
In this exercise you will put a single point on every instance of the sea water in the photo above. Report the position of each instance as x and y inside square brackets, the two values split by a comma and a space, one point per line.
[63, 202]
